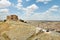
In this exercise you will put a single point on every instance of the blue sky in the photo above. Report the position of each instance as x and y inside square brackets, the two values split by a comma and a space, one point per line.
[31, 9]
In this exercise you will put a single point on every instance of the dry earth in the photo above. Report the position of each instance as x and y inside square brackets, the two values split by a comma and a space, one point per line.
[16, 30]
[46, 24]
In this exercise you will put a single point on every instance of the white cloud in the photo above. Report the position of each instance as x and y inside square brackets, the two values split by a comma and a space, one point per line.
[47, 15]
[30, 9]
[33, 6]
[3, 13]
[4, 3]
[44, 1]
[52, 9]
[4, 10]
[19, 6]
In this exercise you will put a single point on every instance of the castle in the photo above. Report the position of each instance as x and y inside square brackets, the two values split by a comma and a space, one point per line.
[12, 17]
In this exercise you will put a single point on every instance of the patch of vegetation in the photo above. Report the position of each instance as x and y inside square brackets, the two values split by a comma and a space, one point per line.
[23, 21]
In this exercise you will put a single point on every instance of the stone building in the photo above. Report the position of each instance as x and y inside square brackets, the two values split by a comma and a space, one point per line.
[12, 17]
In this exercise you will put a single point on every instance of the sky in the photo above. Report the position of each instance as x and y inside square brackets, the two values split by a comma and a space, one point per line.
[31, 9]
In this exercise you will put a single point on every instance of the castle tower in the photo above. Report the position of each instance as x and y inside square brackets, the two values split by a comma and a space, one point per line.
[12, 17]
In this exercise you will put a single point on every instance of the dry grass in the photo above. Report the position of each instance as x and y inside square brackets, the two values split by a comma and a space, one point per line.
[16, 30]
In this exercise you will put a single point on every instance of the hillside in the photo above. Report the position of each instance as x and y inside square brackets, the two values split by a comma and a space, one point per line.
[16, 30]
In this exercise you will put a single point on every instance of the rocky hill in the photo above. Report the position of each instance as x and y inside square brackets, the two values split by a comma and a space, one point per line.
[17, 30]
